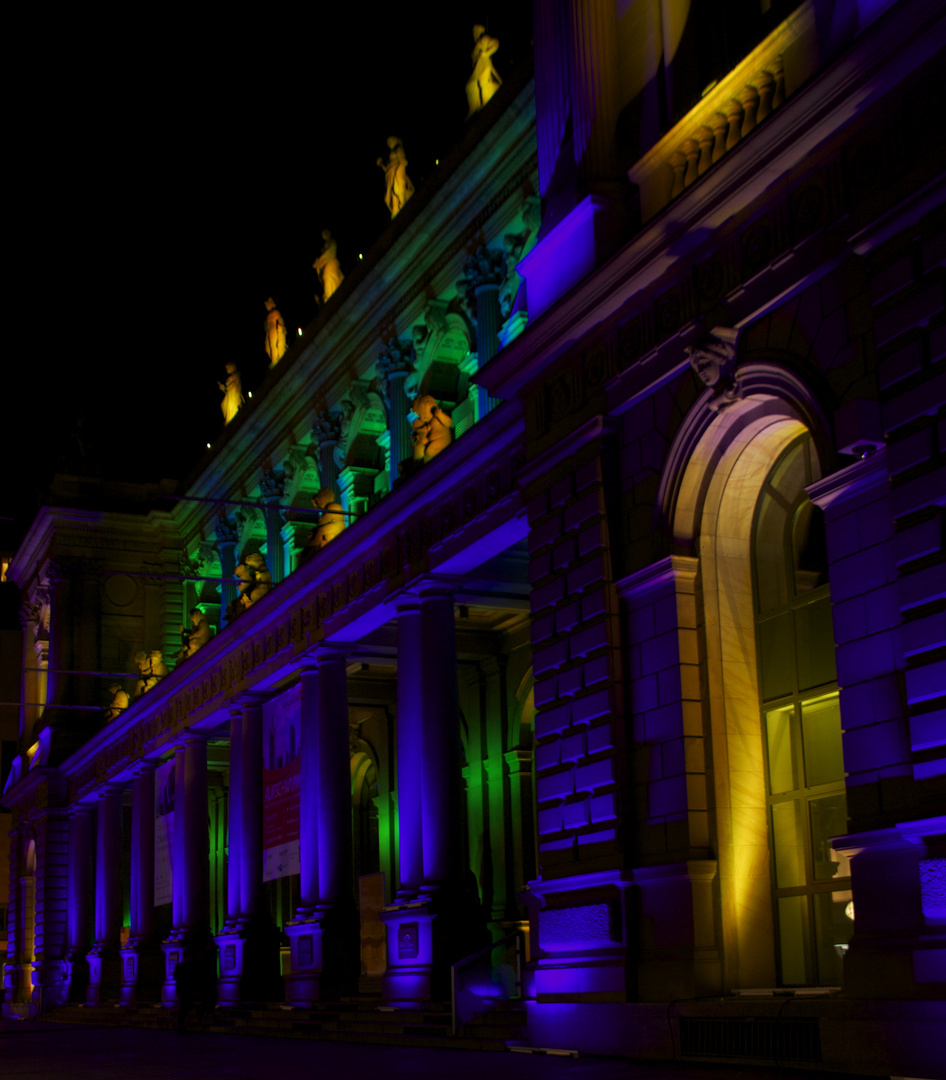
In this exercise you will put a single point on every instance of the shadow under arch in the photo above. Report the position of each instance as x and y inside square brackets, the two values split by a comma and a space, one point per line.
[709, 493]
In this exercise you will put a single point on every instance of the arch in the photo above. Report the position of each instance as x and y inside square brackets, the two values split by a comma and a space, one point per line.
[711, 509]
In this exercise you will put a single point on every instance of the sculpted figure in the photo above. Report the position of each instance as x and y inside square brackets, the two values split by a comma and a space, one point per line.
[485, 80]
[197, 636]
[118, 703]
[714, 361]
[232, 394]
[328, 267]
[331, 522]
[158, 667]
[275, 344]
[259, 580]
[431, 428]
[146, 677]
[397, 185]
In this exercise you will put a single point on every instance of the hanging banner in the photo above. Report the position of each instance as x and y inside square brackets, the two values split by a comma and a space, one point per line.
[163, 832]
[281, 776]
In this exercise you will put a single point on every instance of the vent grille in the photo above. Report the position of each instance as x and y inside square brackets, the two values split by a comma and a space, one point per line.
[782, 1040]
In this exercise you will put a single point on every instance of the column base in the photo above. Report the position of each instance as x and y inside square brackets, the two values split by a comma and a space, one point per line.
[75, 976]
[194, 947]
[249, 963]
[408, 981]
[104, 974]
[142, 966]
[323, 951]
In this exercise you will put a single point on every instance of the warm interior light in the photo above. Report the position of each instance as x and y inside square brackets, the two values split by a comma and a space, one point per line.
[249, 393]
[208, 446]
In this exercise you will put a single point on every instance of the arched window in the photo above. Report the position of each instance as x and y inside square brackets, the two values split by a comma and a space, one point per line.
[801, 724]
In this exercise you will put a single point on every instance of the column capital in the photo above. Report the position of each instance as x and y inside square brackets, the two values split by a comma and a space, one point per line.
[145, 766]
[251, 699]
[433, 585]
[329, 653]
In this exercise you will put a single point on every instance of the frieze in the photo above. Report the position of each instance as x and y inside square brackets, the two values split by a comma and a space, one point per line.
[469, 503]
[338, 593]
[38, 799]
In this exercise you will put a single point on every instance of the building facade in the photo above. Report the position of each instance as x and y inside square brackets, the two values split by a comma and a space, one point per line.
[645, 665]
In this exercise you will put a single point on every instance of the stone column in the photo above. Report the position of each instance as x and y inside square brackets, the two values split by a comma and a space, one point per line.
[226, 534]
[482, 275]
[141, 959]
[393, 367]
[323, 937]
[409, 744]
[104, 970]
[79, 909]
[328, 430]
[249, 949]
[190, 857]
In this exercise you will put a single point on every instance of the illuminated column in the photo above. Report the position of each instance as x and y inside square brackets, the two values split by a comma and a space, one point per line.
[79, 911]
[440, 733]
[409, 743]
[323, 936]
[103, 957]
[595, 92]
[141, 967]
[394, 365]
[190, 856]
[272, 488]
[483, 274]
[249, 954]
[327, 431]
[226, 534]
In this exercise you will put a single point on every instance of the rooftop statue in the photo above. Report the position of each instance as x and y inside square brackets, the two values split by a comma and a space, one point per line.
[275, 344]
[119, 702]
[430, 429]
[255, 579]
[151, 668]
[232, 394]
[328, 267]
[330, 523]
[196, 637]
[485, 80]
[397, 185]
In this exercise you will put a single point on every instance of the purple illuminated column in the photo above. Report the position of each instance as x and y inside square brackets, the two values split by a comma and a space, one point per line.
[142, 852]
[191, 836]
[79, 911]
[441, 783]
[234, 899]
[108, 853]
[250, 845]
[308, 794]
[334, 779]
[410, 690]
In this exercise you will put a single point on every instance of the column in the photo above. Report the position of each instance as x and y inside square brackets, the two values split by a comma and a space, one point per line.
[190, 858]
[249, 943]
[327, 431]
[141, 959]
[482, 274]
[226, 534]
[393, 367]
[324, 934]
[103, 957]
[79, 910]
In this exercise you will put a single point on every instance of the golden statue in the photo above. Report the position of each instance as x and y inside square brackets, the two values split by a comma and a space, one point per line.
[119, 702]
[232, 394]
[397, 185]
[255, 579]
[197, 636]
[328, 267]
[431, 428]
[331, 522]
[275, 333]
[485, 80]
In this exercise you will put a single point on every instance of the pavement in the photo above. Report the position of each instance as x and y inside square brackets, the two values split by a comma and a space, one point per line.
[38, 1050]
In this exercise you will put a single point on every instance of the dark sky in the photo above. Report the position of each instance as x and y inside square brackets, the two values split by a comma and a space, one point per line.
[172, 177]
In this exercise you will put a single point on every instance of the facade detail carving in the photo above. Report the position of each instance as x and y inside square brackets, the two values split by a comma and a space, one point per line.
[714, 361]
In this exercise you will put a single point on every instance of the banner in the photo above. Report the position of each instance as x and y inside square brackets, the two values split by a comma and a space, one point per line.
[163, 832]
[281, 776]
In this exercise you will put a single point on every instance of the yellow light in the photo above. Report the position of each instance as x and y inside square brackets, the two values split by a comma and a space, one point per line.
[299, 331]
[360, 256]
[437, 161]
[208, 446]
[249, 393]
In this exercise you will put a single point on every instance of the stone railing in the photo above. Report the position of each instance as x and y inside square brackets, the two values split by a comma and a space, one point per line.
[728, 112]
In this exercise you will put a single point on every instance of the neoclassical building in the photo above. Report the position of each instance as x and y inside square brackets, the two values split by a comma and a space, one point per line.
[642, 664]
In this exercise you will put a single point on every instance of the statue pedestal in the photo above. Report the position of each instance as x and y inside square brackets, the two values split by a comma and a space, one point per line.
[104, 974]
[408, 979]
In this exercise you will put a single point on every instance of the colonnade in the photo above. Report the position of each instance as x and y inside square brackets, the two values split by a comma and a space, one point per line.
[323, 934]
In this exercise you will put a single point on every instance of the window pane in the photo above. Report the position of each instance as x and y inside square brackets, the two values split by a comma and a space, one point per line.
[775, 641]
[788, 840]
[821, 735]
[770, 555]
[828, 818]
[778, 730]
[793, 939]
[814, 644]
[833, 930]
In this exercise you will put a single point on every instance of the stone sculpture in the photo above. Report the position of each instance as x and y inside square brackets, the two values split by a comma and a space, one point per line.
[328, 267]
[431, 428]
[258, 581]
[119, 701]
[232, 394]
[485, 80]
[151, 669]
[330, 523]
[714, 361]
[275, 343]
[397, 185]
[197, 636]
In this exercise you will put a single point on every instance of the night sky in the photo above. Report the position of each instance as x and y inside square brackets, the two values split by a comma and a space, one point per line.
[170, 182]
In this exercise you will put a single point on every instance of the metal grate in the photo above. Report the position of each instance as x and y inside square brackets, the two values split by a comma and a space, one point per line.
[781, 1040]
